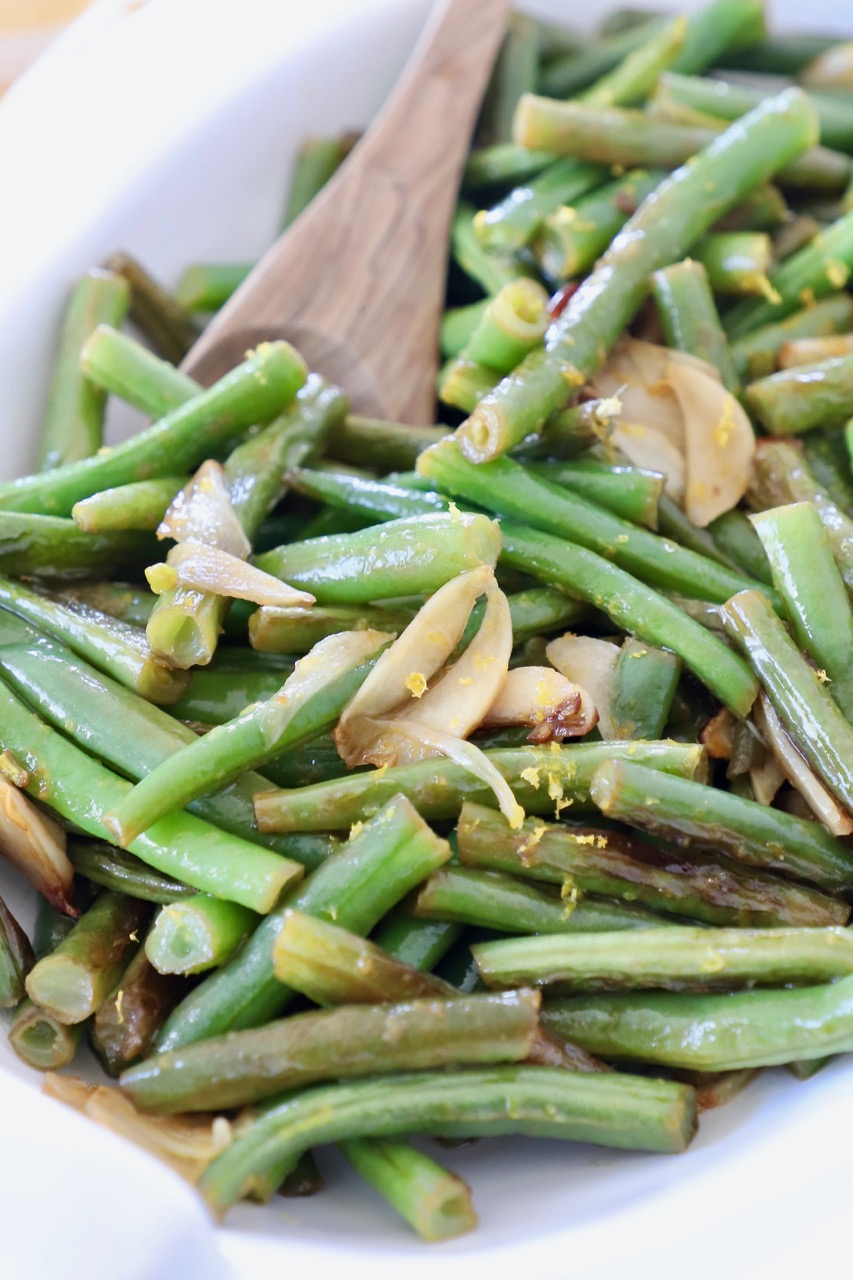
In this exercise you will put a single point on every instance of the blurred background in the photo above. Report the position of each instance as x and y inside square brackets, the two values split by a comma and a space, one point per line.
[27, 27]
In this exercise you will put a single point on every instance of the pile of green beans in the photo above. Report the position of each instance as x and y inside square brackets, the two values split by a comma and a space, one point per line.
[370, 954]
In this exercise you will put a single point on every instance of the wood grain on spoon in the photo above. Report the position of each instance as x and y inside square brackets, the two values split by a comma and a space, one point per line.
[357, 283]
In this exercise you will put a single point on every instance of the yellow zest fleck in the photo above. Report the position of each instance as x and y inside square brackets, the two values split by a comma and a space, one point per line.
[724, 428]
[483, 660]
[356, 830]
[837, 273]
[712, 963]
[573, 377]
[570, 894]
[134, 937]
[466, 679]
[454, 511]
[639, 653]
[161, 577]
[416, 684]
[119, 1014]
[517, 818]
[589, 838]
[554, 748]
[380, 772]
[621, 537]
[555, 791]
[822, 676]
[532, 840]
[531, 775]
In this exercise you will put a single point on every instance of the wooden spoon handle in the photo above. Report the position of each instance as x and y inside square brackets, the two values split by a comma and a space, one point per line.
[364, 267]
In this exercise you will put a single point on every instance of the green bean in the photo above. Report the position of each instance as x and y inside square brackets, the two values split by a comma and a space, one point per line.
[709, 818]
[508, 489]
[513, 322]
[73, 982]
[781, 55]
[385, 446]
[140, 505]
[246, 1066]
[514, 221]
[51, 546]
[355, 887]
[737, 262]
[755, 352]
[736, 538]
[117, 648]
[805, 397]
[214, 697]
[812, 591]
[74, 421]
[41, 1040]
[207, 286]
[16, 958]
[503, 163]
[463, 383]
[197, 934]
[490, 270]
[575, 70]
[574, 235]
[729, 101]
[126, 1025]
[121, 872]
[611, 135]
[419, 943]
[700, 887]
[634, 607]
[631, 493]
[492, 900]
[828, 459]
[332, 966]
[402, 558]
[764, 209]
[514, 72]
[820, 269]
[435, 1202]
[660, 232]
[781, 475]
[711, 1032]
[80, 790]
[438, 788]
[254, 391]
[669, 959]
[68, 693]
[612, 1110]
[296, 630]
[804, 706]
[315, 164]
[645, 682]
[185, 624]
[155, 312]
[119, 365]
[116, 599]
[262, 731]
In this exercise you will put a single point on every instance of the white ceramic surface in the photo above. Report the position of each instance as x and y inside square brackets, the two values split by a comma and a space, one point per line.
[168, 130]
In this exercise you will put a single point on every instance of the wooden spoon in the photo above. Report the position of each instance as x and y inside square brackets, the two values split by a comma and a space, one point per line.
[357, 283]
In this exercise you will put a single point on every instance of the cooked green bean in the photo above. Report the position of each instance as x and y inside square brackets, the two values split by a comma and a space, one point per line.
[126, 1025]
[197, 934]
[438, 788]
[668, 959]
[612, 1110]
[709, 818]
[74, 420]
[707, 888]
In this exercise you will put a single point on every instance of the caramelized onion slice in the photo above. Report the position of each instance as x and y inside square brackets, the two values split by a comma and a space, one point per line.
[541, 697]
[35, 844]
[204, 568]
[202, 512]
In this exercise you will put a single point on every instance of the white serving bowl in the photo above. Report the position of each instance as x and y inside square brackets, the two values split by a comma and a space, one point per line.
[168, 130]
